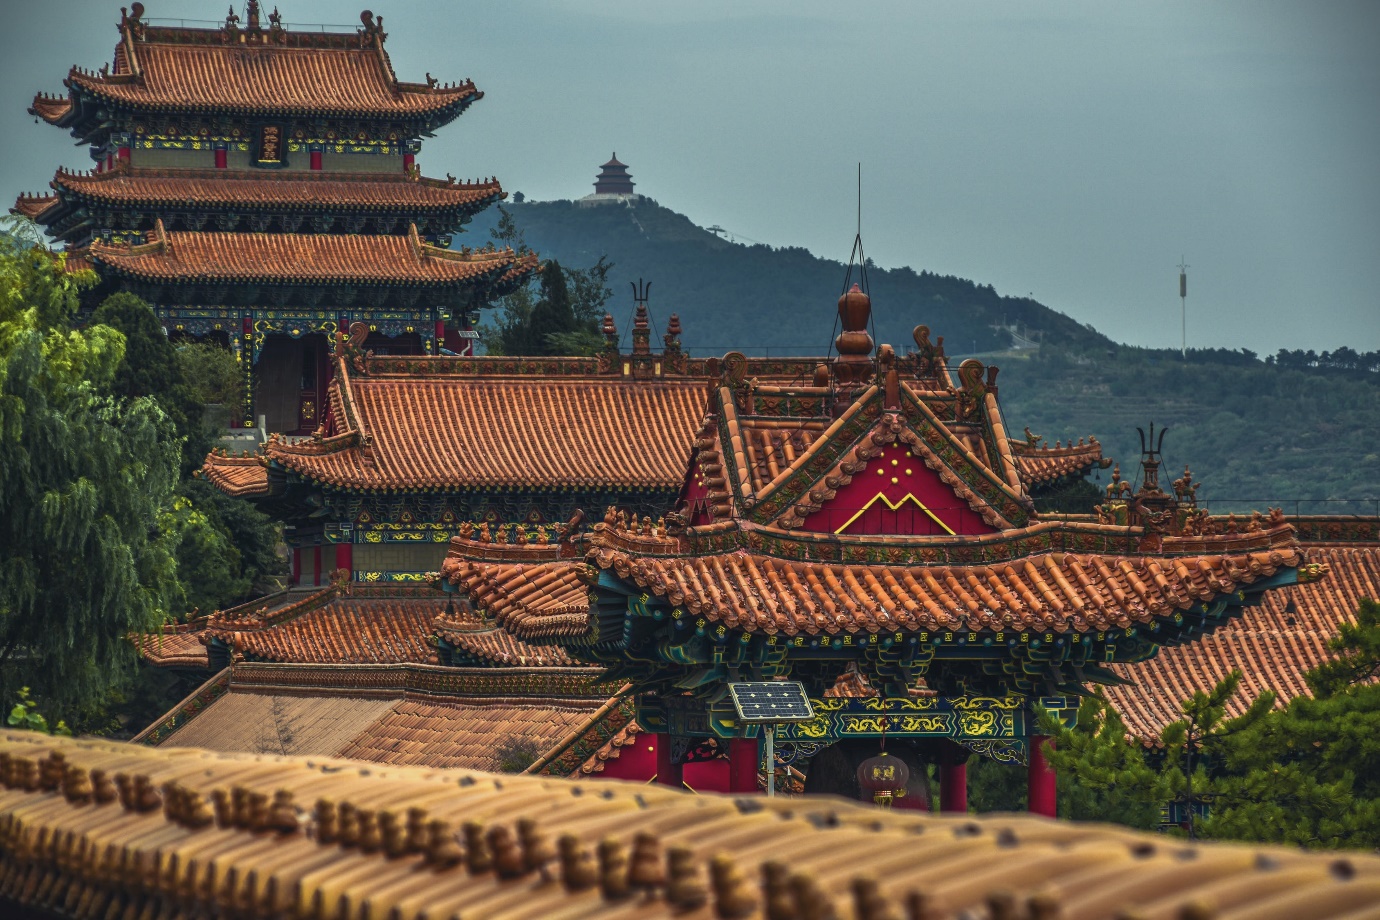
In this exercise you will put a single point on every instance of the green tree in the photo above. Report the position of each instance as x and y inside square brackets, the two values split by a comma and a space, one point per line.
[552, 315]
[557, 313]
[1066, 496]
[209, 570]
[25, 714]
[1103, 776]
[250, 537]
[86, 475]
[1307, 774]
[151, 368]
[213, 376]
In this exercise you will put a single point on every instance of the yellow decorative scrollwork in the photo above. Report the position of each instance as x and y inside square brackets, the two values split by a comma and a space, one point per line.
[965, 703]
[978, 723]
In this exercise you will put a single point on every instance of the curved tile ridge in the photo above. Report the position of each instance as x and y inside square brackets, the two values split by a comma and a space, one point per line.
[240, 477]
[488, 642]
[1038, 465]
[1047, 591]
[545, 600]
[464, 432]
[302, 258]
[1274, 644]
[104, 828]
[217, 76]
[31, 206]
[257, 188]
[610, 720]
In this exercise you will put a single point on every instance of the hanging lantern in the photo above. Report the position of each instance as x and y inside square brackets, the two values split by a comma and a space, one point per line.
[884, 778]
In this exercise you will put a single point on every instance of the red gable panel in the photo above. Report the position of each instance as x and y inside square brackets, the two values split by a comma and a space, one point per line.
[896, 494]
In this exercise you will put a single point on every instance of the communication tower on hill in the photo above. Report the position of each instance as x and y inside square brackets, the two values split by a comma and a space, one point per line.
[1183, 307]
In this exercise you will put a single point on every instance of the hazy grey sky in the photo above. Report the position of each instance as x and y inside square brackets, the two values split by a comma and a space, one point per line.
[1069, 150]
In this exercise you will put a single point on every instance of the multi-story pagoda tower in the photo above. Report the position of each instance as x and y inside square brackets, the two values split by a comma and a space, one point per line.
[613, 179]
[258, 186]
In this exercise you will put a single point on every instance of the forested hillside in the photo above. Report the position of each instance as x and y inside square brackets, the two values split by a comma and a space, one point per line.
[1296, 427]
[749, 298]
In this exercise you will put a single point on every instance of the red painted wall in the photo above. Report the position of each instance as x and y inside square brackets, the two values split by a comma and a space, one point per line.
[637, 762]
[893, 495]
[696, 497]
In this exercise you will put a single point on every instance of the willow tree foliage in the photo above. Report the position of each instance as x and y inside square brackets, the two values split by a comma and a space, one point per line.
[84, 477]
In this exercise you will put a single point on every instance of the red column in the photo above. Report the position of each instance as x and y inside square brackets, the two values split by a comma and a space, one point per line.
[316, 558]
[667, 773]
[345, 558]
[953, 788]
[122, 154]
[743, 760]
[1040, 779]
[316, 159]
[408, 160]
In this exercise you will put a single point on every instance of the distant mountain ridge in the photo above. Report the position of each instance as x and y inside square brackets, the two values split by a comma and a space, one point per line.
[753, 297]
[1299, 431]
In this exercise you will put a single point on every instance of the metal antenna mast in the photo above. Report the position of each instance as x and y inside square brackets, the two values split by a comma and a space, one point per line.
[1183, 306]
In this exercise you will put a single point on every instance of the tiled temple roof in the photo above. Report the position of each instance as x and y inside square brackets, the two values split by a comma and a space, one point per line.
[336, 835]
[884, 501]
[759, 593]
[267, 71]
[354, 625]
[469, 733]
[238, 476]
[300, 258]
[31, 206]
[487, 642]
[1274, 645]
[609, 750]
[592, 742]
[457, 423]
[1041, 464]
[415, 714]
[125, 187]
[175, 645]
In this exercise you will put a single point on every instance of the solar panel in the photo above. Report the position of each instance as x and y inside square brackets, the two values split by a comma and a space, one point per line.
[771, 701]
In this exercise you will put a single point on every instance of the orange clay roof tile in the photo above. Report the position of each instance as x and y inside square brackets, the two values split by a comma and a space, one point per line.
[177, 646]
[263, 79]
[68, 836]
[1273, 645]
[468, 733]
[488, 642]
[240, 477]
[51, 109]
[1050, 591]
[31, 206]
[469, 432]
[371, 626]
[251, 188]
[301, 258]
[1038, 465]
